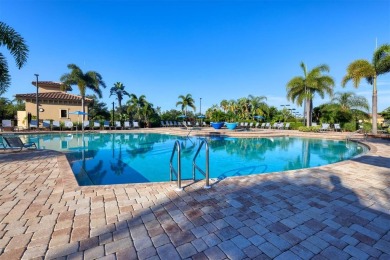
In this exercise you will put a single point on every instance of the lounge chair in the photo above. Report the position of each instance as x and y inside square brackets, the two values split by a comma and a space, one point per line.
[313, 124]
[33, 124]
[287, 126]
[163, 124]
[106, 125]
[118, 125]
[135, 124]
[280, 126]
[14, 142]
[127, 125]
[56, 124]
[337, 127]
[275, 125]
[86, 124]
[6, 125]
[262, 125]
[204, 123]
[267, 125]
[46, 124]
[324, 127]
[96, 125]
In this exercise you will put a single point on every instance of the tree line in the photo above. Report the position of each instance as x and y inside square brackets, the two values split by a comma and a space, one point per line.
[301, 90]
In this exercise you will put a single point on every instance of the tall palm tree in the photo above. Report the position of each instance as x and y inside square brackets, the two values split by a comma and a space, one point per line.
[136, 104]
[359, 69]
[185, 102]
[119, 91]
[15, 43]
[257, 105]
[300, 89]
[224, 105]
[91, 80]
[349, 100]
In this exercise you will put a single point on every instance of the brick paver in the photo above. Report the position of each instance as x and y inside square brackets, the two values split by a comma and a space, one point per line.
[338, 211]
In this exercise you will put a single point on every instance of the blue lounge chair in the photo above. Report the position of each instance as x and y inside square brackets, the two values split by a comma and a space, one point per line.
[14, 142]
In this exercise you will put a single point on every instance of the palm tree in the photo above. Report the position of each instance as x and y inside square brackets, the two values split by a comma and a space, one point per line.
[304, 88]
[136, 104]
[119, 90]
[359, 69]
[349, 100]
[224, 105]
[186, 101]
[257, 105]
[15, 43]
[91, 80]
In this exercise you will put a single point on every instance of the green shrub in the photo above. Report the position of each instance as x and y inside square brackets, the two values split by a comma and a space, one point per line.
[309, 128]
[295, 125]
[350, 127]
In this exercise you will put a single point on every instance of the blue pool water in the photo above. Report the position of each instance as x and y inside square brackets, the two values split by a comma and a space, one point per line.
[116, 158]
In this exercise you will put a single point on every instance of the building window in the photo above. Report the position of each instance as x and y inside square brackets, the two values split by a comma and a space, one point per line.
[64, 113]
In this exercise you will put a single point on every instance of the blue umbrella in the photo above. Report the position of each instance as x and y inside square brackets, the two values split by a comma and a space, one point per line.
[258, 117]
[78, 112]
[182, 116]
[201, 116]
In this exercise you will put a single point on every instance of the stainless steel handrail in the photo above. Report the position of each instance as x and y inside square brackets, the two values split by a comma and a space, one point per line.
[196, 167]
[176, 147]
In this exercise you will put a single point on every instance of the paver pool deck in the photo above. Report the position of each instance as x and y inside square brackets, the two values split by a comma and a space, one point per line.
[337, 211]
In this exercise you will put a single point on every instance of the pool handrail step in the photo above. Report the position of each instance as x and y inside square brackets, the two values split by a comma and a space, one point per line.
[177, 173]
[196, 167]
[176, 147]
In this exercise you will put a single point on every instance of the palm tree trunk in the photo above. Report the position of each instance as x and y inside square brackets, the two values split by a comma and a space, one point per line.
[308, 112]
[82, 105]
[374, 108]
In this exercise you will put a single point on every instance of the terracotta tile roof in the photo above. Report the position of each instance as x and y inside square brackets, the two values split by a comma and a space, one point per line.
[52, 96]
[50, 83]
[43, 84]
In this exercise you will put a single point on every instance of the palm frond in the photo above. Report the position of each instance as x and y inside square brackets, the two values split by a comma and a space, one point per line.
[5, 79]
[14, 43]
[381, 59]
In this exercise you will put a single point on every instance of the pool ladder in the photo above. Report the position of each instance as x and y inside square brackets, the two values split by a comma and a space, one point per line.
[176, 148]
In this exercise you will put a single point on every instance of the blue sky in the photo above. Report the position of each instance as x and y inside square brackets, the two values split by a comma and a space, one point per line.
[213, 50]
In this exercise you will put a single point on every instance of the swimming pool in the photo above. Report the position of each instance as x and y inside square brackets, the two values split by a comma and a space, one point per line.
[117, 158]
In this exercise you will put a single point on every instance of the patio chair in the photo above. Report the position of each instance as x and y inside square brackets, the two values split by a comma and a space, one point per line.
[14, 142]
[275, 125]
[337, 127]
[106, 125]
[257, 125]
[135, 124]
[96, 125]
[287, 126]
[280, 126]
[267, 125]
[86, 124]
[163, 124]
[56, 124]
[46, 124]
[33, 124]
[127, 125]
[118, 125]
[324, 127]
[6, 125]
[262, 125]
[204, 123]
